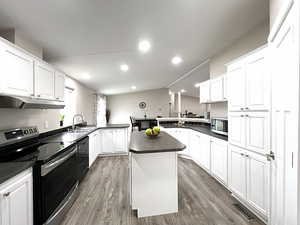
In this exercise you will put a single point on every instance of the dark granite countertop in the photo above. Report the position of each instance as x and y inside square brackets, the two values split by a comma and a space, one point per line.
[199, 128]
[140, 143]
[11, 169]
[77, 136]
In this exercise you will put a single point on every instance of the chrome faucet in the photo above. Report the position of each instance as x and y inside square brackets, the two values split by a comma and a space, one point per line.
[77, 115]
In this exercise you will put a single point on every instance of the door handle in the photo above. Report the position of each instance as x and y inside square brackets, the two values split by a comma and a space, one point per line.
[270, 156]
[5, 195]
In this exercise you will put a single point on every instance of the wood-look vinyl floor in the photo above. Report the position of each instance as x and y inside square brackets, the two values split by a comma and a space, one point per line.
[104, 198]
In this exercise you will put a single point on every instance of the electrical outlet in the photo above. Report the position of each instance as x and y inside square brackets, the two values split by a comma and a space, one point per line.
[46, 124]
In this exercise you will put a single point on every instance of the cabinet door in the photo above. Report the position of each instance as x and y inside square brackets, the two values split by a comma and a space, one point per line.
[237, 171]
[204, 92]
[258, 132]
[16, 72]
[257, 82]
[119, 140]
[258, 182]
[195, 151]
[216, 90]
[219, 159]
[17, 202]
[205, 151]
[236, 129]
[225, 94]
[183, 136]
[59, 86]
[44, 81]
[236, 86]
[107, 142]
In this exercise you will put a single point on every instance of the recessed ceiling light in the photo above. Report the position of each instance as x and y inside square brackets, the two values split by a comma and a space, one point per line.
[183, 91]
[86, 76]
[197, 85]
[176, 60]
[124, 67]
[133, 87]
[144, 46]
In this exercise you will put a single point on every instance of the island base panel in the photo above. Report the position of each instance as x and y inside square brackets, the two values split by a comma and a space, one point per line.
[154, 183]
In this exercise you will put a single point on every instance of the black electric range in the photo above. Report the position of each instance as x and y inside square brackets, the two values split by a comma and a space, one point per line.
[55, 171]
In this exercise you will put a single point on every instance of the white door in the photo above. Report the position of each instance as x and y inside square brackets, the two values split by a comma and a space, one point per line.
[204, 92]
[258, 182]
[119, 140]
[257, 81]
[285, 120]
[183, 136]
[216, 90]
[59, 86]
[16, 202]
[236, 86]
[258, 132]
[107, 142]
[44, 81]
[219, 159]
[237, 129]
[225, 95]
[16, 72]
[237, 171]
[205, 151]
[195, 151]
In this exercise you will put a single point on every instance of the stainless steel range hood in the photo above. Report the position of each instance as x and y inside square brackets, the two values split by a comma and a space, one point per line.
[28, 103]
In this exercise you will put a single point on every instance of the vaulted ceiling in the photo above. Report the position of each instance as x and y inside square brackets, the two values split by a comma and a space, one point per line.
[95, 37]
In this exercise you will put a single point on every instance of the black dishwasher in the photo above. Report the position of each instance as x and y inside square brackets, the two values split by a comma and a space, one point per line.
[83, 157]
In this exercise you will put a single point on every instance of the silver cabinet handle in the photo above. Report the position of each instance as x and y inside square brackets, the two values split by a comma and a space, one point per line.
[247, 156]
[38, 95]
[270, 156]
[242, 109]
[247, 115]
[242, 154]
[5, 195]
[247, 108]
[242, 115]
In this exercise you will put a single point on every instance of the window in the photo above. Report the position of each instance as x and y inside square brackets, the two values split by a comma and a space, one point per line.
[70, 106]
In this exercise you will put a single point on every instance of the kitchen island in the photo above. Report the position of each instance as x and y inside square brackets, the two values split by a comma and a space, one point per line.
[153, 174]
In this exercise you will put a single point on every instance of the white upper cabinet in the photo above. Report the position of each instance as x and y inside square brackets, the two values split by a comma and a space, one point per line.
[16, 71]
[237, 171]
[219, 159]
[16, 200]
[236, 86]
[249, 83]
[59, 84]
[44, 81]
[237, 129]
[217, 89]
[258, 132]
[257, 82]
[225, 90]
[205, 92]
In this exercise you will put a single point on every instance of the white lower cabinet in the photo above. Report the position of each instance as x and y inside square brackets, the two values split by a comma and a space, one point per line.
[94, 146]
[249, 178]
[205, 151]
[114, 141]
[16, 200]
[219, 159]
[182, 135]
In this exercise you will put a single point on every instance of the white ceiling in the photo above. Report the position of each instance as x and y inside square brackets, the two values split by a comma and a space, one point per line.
[97, 36]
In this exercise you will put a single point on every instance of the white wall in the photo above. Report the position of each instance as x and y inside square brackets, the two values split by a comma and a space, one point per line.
[123, 106]
[84, 103]
[191, 104]
[252, 40]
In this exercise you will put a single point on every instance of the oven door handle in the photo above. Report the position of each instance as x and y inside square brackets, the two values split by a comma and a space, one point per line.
[47, 168]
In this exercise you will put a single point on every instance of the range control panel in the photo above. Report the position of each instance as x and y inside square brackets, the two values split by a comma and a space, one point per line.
[16, 135]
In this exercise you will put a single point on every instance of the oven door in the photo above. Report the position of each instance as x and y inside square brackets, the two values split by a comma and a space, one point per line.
[58, 180]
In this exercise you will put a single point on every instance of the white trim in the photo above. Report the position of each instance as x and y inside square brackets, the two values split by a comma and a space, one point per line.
[189, 73]
[247, 54]
[284, 11]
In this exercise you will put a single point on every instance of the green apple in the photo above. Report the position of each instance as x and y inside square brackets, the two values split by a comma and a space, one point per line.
[148, 132]
[156, 129]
